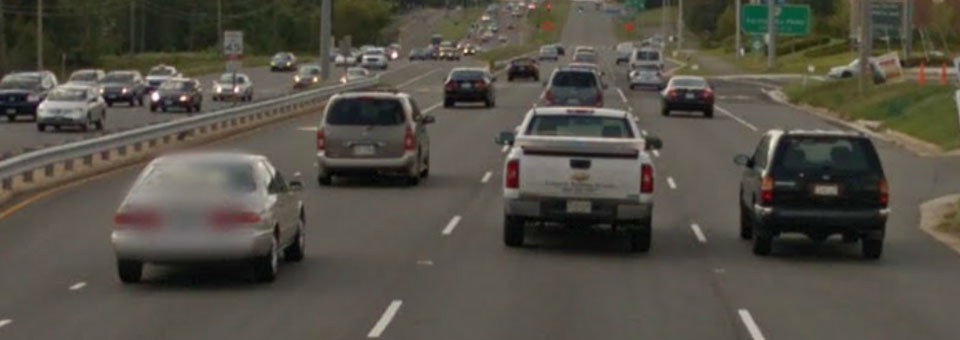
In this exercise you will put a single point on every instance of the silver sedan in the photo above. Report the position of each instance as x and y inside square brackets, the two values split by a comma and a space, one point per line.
[233, 86]
[209, 207]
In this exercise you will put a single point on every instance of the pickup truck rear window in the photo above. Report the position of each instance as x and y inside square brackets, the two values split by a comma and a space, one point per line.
[809, 154]
[648, 55]
[575, 79]
[579, 126]
[366, 112]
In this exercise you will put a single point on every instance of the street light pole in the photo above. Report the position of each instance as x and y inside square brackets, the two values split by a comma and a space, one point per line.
[39, 35]
[133, 25]
[680, 25]
[663, 19]
[326, 19]
[866, 43]
[739, 28]
[771, 34]
[220, 24]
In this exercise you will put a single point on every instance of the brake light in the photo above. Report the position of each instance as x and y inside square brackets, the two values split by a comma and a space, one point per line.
[137, 219]
[230, 217]
[599, 99]
[512, 178]
[672, 93]
[549, 96]
[646, 179]
[480, 84]
[707, 93]
[766, 190]
[884, 192]
[450, 85]
[321, 140]
[409, 141]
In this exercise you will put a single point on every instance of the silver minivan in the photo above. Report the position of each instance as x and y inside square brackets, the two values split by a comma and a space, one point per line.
[372, 134]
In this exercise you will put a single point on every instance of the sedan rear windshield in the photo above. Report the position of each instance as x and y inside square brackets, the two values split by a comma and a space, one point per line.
[165, 71]
[813, 154]
[118, 78]
[579, 126]
[84, 76]
[174, 85]
[192, 177]
[575, 79]
[695, 83]
[467, 75]
[366, 112]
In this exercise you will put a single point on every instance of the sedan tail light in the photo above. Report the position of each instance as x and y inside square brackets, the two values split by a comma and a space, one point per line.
[321, 140]
[672, 94]
[409, 140]
[766, 190]
[512, 178]
[707, 93]
[480, 84]
[646, 179]
[137, 220]
[231, 217]
[884, 192]
[450, 85]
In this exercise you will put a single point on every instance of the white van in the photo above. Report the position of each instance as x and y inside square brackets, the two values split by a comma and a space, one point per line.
[646, 56]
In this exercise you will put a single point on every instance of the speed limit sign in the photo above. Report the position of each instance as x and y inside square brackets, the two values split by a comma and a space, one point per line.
[233, 44]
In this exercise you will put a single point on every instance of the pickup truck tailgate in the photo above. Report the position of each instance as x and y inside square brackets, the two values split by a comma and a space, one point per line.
[597, 169]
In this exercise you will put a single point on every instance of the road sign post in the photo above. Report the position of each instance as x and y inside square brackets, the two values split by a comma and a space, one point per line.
[233, 44]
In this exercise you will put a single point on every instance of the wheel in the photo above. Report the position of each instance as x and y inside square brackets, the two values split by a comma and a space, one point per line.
[746, 225]
[762, 243]
[41, 127]
[140, 102]
[665, 112]
[133, 102]
[414, 180]
[640, 240]
[488, 102]
[130, 271]
[447, 102]
[163, 108]
[633, 87]
[872, 247]
[153, 108]
[99, 123]
[11, 118]
[708, 113]
[295, 251]
[215, 98]
[513, 232]
[325, 180]
[197, 108]
[190, 109]
[110, 104]
[265, 267]
[509, 78]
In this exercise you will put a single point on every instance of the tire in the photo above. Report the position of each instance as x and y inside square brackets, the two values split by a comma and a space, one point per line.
[129, 271]
[633, 87]
[110, 104]
[265, 267]
[746, 225]
[509, 78]
[489, 102]
[140, 102]
[447, 102]
[513, 232]
[11, 118]
[197, 108]
[153, 108]
[163, 108]
[99, 123]
[708, 113]
[295, 251]
[41, 127]
[762, 243]
[640, 240]
[665, 112]
[133, 102]
[190, 109]
[872, 247]
[325, 180]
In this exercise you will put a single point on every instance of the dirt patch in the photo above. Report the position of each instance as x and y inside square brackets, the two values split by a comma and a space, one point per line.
[941, 219]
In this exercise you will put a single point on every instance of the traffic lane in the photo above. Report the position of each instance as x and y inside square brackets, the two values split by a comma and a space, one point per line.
[355, 222]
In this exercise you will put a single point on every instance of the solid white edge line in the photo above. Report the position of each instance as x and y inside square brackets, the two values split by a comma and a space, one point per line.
[486, 177]
[415, 79]
[78, 285]
[672, 183]
[451, 225]
[656, 153]
[698, 233]
[5, 322]
[738, 119]
[432, 107]
[385, 319]
[752, 327]
[622, 96]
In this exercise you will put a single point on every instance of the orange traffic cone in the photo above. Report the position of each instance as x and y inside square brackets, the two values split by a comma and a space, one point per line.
[922, 79]
[943, 74]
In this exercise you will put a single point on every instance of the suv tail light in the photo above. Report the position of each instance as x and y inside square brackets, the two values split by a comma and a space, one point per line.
[230, 217]
[549, 97]
[409, 141]
[321, 140]
[707, 93]
[450, 85]
[672, 94]
[766, 190]
[884, 192]
[598, 100]
[137, 219]
[646, 179]
[512, 178]
[480, 84]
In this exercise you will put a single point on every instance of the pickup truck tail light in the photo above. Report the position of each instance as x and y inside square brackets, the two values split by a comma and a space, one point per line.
[766, 190]
[321, 140]
[884, 192]
[409, 141]
[549, 97]
[512, 178]
[599, 98]
[646, 179]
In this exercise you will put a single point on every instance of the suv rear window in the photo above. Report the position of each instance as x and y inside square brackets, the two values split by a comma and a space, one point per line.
[574, 79]
[579, 126]
[648, 55]
[366, 112]
[796, 154]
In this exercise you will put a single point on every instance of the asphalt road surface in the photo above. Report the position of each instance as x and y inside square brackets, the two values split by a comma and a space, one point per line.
[379, 263]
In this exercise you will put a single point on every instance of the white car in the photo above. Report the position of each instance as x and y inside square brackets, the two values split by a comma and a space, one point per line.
[624, 50]
[89, 77]
[845, 71]
[375, 59]
[345, 60]
[159, 74]
[581, 167]
[646, 56]
[233, 86]
[649, 76]
[72, 105]
[355, 74]
[209, 207]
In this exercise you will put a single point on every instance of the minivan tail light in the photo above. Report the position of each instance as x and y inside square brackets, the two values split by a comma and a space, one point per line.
[409, 141]
[512, 178]
[884, 192]
[646, 179]
[230, 217]
[766, 190]
[137, 219]
[321, 140]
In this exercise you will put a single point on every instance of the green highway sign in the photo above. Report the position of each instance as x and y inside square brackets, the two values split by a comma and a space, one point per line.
[637, 4]
[791, 19]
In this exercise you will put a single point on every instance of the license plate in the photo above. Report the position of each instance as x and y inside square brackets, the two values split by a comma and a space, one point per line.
[11, 111]
[574, 102]
[364, 150]
[466, 85]
[111, 96]
[690, 96]
[830, 190]
[579, 207]
[168, 102]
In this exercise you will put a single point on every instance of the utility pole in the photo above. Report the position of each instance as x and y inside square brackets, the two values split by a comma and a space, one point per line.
[680, 25]
[220, 24]
[3, 41]
[326, 21]
[866, 43]
[771, 34]
[739, 28]
[663, 19]
[907, 39]
[133, 25]
[39, 35]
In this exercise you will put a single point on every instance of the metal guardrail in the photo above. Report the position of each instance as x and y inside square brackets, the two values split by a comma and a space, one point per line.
[19, 173]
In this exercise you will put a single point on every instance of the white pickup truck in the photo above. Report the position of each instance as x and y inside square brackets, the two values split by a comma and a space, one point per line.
[580, 167]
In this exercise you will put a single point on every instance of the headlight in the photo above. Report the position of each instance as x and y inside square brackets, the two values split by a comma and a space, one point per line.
[155, 96]
[184, 98]
[218, 89]
[124, 90]
[343, 80]
[296, 79]
[394, 55]
[288, 63]
[33, 98]
[236, 90]
[315, 79]
[101, 91]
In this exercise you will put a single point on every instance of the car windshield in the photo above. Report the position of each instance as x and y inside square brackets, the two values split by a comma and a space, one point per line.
[84, 76]
[230, 79]
[356, 72]
[174, 85]
[118, 78]
[20, 83]
[577, 125]
[648, 55]
[366, 112]
[468, 75]
[281, 57]
[162, 71]
[689, 83]
[198, 176]
[798, 154]
[308, 70]
[585, 57]
[67, 94]
[574, 79]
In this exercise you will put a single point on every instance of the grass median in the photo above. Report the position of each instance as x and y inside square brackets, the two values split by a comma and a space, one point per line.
[456, 24]
[925, 112]
[652, 18]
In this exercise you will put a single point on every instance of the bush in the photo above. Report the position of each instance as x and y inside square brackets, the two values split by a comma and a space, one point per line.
[828, 50]
[931, 62]
[801, 44]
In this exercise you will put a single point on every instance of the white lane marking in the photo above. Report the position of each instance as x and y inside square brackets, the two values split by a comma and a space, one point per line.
[425, 262]
[431, 108]
[78, 286]
[385, 319]
[656, 153]
[308, 128]
[505, 148]
[486, 177]
[672, 183]
[622, 96]
[451, 225]
[411, 81]
[296, 174]
[752, 328]
[5, 322]
[698, 233]
[738, 119]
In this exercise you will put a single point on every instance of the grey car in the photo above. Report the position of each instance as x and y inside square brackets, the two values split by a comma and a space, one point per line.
[209, 207]
[373, 133]
[574, 87]
[72, 105]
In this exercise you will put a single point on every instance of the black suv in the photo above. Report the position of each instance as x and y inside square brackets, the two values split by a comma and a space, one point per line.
[469, 84]
[817, 183]
[523, 68]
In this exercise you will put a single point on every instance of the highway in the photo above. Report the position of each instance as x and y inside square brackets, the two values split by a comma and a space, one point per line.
[394, 262]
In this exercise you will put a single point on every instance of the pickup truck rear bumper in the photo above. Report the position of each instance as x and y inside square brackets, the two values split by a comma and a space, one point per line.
[555, 210]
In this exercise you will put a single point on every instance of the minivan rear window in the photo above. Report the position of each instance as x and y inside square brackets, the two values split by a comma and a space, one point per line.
[798, 154]
[575, 79]
[366, 112]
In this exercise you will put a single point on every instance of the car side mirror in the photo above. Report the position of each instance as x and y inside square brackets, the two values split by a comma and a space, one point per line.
[505, 138]
[428, 119]
[295, 185]
[743, 160]
[653, 142]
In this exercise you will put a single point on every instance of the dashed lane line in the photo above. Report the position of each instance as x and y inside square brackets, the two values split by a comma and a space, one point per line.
[752, 327]
[5, 322]
[432, 107]
[622, 96]
[486, 177]
[415, 79]
[736, 118]
[672, 183]
[385, 319]
[451, 225]
[698, 233]
[78, 286]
